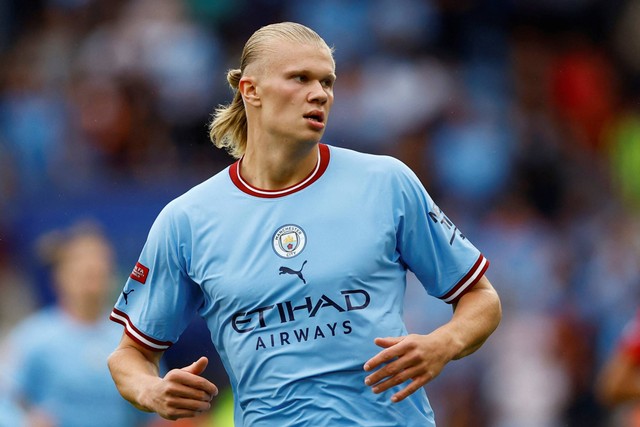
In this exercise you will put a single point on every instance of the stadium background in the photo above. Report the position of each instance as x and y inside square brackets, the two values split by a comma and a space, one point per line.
[521, 117]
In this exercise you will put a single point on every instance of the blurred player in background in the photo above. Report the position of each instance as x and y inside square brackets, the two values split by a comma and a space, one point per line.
[619, 380]
[54, 361]
[296, 256]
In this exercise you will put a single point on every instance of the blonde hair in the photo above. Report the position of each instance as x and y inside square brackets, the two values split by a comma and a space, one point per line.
[228, 129]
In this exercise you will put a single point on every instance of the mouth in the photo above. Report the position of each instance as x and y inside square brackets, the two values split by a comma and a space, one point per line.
[315, 116]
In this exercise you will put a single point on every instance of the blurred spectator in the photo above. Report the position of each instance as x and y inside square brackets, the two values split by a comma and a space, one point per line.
[626, 37]
[614, 261]
[470, 150]
[155, 38]
[623, 140]
[345, 21]
[33, 119]
[533, 396]
[415, 94]
[54, 361]
[403, 28]
[583, 90]
[619, 379]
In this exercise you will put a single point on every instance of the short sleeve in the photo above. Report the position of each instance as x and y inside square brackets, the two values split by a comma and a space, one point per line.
[159, 298]
[430, 244]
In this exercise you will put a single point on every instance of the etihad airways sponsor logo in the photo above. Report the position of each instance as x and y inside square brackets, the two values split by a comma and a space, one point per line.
[255, 321]
[284, 313]
[305, 334]
[289, 311]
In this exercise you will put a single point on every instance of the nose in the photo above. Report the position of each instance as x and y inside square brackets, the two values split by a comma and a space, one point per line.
[318, 93]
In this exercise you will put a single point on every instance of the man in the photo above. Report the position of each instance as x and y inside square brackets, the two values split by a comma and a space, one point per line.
[296, 257]
[52, 359]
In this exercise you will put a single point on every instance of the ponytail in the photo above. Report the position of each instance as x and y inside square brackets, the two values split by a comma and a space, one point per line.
[228, 129]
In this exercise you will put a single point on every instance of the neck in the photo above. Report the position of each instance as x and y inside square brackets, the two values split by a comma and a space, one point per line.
[83, 313]
[278, 166]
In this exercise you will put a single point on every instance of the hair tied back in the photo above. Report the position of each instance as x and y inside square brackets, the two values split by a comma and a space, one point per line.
[233, 77]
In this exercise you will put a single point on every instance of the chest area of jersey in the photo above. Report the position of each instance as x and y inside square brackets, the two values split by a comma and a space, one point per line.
[286, 263]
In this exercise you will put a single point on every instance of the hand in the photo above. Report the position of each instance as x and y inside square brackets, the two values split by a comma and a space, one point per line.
[183, 393]
[419, 358]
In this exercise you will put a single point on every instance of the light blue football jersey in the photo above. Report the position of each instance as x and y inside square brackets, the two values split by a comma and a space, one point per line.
[58, 365]
[296, 284]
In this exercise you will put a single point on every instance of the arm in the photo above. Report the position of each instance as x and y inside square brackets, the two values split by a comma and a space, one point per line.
[182, 393]
[619, 381]
[420, 358]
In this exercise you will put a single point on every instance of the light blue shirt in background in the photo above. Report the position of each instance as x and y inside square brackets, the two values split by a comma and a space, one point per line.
[59, 365]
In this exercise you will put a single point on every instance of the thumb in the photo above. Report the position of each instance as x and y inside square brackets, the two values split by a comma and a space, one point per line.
[388, 341]
[198, 366]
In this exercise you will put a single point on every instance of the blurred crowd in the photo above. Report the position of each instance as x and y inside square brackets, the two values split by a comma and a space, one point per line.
[522, 118]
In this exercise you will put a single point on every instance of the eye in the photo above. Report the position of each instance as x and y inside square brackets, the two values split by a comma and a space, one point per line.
[301, 78]
[328, 83]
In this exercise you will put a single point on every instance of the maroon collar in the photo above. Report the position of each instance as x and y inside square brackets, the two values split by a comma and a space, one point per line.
[321, 166]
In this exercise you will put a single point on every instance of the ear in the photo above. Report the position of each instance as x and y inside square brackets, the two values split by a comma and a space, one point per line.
[249, 91]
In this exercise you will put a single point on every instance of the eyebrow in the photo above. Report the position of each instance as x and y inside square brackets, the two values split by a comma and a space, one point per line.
[331, 75]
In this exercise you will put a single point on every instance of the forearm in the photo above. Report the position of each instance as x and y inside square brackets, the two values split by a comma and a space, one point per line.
[181, 393]
[476, 315]
[133, 372]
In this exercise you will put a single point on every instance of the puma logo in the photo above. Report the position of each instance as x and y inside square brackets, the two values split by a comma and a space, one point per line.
[287, 270]
[126, 296]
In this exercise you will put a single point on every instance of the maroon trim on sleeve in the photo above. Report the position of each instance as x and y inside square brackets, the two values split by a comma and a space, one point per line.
[468, 281]
[137, 335]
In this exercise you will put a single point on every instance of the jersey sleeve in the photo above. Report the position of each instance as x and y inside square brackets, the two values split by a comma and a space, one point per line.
[159, 298]
[430, 244]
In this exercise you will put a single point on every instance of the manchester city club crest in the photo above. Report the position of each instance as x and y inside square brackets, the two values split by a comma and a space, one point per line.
[289, 240]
